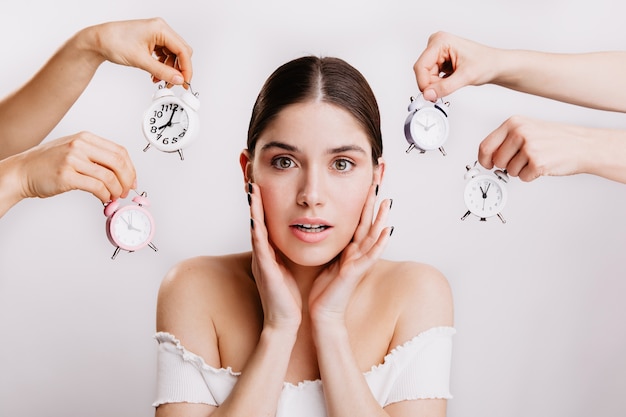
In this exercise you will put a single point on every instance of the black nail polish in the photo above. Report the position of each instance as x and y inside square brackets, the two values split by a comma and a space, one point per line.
[376, 189]
[249, 199]
[251, 223]
[249, 187]
[391, 231]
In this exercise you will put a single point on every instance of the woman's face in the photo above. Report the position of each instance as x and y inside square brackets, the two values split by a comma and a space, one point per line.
[313, 165]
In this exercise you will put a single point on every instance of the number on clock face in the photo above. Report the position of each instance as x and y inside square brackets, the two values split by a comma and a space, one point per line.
[429, 128]
[168, 123]
[484, 197]
[131, 228]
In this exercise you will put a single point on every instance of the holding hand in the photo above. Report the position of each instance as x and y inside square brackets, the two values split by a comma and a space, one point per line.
[334, 287]
[137, 43]
[79, 162]
[449, 63]
[279, 293]
[531, 148]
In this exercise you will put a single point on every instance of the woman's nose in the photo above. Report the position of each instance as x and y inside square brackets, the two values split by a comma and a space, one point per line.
[310, 191]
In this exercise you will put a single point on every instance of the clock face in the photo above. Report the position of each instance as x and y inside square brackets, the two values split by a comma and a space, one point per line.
[429, 128]
[485, 196]
[166, 125]
[131, 228]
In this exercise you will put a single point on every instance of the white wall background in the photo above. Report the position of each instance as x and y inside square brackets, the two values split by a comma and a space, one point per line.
[539, 301]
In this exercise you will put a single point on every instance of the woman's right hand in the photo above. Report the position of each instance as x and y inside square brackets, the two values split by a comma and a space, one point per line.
[279, 293]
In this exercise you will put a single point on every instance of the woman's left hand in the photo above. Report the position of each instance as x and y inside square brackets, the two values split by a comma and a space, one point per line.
[333, 288]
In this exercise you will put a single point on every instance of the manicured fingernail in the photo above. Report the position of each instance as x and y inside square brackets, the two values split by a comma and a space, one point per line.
[249, 187]
[251, 223]
[391, 231]
[178, 79]
[376, 189]
[430, 94]
[249, 199]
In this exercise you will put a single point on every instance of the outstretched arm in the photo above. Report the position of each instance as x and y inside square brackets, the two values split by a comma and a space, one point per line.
[530, 148]
[78, 162]
[594, 79]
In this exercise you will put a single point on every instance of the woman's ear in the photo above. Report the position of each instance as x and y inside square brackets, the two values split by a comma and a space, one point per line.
[379, 171]
[245, 161]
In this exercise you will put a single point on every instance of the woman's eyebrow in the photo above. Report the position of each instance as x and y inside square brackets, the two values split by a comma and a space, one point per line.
[294, 149]
[281, 145]
[346, 148]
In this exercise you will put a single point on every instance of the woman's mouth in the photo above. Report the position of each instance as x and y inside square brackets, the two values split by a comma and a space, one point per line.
[311, 228]
[310, 231]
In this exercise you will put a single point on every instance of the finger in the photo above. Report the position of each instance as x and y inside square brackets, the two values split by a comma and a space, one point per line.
[516, 164]
[92, 185]
[510, 147]
[435, 72]
[490, 145]
[378, 226]
[176, 46]
[116, 160]
[106, 187]
[373, 253]
[258, 230]
[529, 173]
[426, 68]
[381, 217]
[367, 214]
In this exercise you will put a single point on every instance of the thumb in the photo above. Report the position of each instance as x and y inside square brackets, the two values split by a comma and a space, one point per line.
[444, 87]
[160, 71]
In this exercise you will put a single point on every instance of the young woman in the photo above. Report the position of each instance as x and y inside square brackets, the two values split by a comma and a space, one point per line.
[311, 322]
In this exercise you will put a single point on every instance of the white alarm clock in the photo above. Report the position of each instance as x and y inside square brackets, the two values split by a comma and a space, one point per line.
[426, 127]
[171, 122]
[485, 192]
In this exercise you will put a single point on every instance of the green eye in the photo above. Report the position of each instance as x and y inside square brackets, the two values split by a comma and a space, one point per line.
[342, 165]
[283, 162]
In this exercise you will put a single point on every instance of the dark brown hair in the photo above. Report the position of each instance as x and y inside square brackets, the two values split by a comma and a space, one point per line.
[330, 80]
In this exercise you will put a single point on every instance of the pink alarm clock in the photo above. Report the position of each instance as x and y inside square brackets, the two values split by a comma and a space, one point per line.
[130, 227]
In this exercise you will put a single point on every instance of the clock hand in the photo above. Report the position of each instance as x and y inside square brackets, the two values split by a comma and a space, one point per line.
[484, 195]
[127, 224]
[169, 122]
[130, 221]
[420, 123]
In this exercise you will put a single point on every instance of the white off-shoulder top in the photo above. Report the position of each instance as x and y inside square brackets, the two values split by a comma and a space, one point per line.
[417, 369]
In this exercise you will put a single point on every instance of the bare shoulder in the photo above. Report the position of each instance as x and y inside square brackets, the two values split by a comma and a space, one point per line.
[201, 272]
[421, 294]
[195, 292]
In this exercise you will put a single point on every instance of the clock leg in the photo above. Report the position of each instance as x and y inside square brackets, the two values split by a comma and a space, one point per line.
[180, 153]
[410, 148]
[443, 151]
[146, 148]
[501, 218]
[466, 214]
[117, 250]
[153, 247]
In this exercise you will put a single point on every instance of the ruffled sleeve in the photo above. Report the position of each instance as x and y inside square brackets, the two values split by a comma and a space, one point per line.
[418, 369]
[183, 376]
